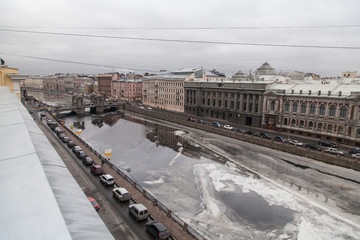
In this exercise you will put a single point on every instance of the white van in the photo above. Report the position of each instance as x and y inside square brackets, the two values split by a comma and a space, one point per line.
[121, 194]
[139, 211]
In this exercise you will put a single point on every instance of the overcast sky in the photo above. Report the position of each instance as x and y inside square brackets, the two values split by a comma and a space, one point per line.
[72, 16]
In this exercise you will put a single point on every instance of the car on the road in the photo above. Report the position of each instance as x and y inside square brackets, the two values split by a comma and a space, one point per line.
[200, 121]
[76, 148]
[157, 230]
[264, 135]
[354, 150]
[121, 194]
[87, 161]
[94, 203]
[142, 107]
[65, 139]
[279, 139]
[190, 119]
[240, 130]
[251, 132]
[327, 143]
[53, 125]
[356, 155]
[216, 124]
[139, 211]
[96, 169]
[296, 143]
[81, 154]
[107, 179]
[61, 136]
[228, 127]
[70, 144]
[313, 147]
[149, 108]
[334, 151]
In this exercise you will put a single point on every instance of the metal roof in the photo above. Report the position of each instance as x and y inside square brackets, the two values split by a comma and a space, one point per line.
[41, 199]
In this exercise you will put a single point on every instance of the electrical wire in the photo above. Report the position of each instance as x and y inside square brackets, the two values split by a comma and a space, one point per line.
[184, 41]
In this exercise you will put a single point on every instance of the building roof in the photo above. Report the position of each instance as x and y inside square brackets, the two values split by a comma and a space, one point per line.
[41, 199]
[265, 69]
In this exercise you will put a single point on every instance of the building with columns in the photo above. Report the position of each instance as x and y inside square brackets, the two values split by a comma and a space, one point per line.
[322, 109]
[239, 102]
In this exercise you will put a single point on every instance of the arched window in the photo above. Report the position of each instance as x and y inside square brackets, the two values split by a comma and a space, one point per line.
[330, 128]
[320, 127]
[312, 108]
[287, 106]
[272, 105]
[332, 111]
[293, 122]
[341, 129]
[295, 107]
[343, 111]
[302, 123]
[285, 121]
[310, 125]
[303, 108]
[322, 110]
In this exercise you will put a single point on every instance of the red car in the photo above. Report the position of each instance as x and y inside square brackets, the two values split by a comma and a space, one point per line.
[96, 169]
[94, 203]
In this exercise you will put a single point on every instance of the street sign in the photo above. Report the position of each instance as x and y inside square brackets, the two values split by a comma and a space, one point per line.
[78, 131]
[108, 152]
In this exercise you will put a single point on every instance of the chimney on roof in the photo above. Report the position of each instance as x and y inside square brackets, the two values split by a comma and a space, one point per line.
[340, 93]
[319, 92]
[292, 91]
[309, 92]
[329, 93]
[300, 91]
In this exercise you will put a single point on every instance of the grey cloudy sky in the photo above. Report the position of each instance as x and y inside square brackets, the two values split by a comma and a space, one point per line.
[72, 16]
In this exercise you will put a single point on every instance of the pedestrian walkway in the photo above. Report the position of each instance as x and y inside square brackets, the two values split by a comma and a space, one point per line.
[174, 228]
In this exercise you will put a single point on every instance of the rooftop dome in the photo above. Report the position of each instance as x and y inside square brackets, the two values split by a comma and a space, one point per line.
[265, 69]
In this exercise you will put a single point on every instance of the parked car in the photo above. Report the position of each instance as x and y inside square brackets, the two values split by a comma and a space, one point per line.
[121, 194]
[139, 211]
[190, 119]
[327, 143]
[61, 136]
[251, 132]
[200, 121]
[264, 135]
[149, 108]
[76, 149]
[296, 143]
[354, 150]
[107, 179]
[157, 229]
[94, 203]
[333, 151]
[70, 144]
[87, 161]
[53, 126]
[228, 127]
[141, 107]
[216, 124]
[240, 130]
[313, 147]
[65, 139]
[356, 155]
[279, 139]
[96, 169]
[81, 154]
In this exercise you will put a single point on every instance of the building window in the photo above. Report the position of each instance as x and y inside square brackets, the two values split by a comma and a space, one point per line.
[244, 107]
[332, 111]
[302, 123]
[256, 107]
[295, 107]
[311, 125]
[358, 133]
[320, 126]
[250, 107]
[214, 103]
[219, 103]
[287, 106]
[208, 102]
[341, 129]
[226, 103]
[312, 108]
[303, 108]
[330, 128]
[232, 104]
[285, 121]
[343, 112]
[203, 102]
[293, 122]
[322, 110]
[272, 105]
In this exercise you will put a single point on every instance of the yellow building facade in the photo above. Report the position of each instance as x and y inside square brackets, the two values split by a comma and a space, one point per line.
[10, 77]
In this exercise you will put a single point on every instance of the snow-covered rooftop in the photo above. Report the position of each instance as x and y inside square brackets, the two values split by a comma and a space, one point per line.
[40, 198]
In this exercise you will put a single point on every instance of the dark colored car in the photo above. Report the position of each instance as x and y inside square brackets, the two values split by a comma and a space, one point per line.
[251, 132]
[216, 124]
[279, 139]
[94, 203]
[200, 121]
[81, 154]
[87, 161]
[96, 169]
[240, 130]
[264, 135]
[313, 147]
[327, 143]
[70, 144]
[354, 150]
[157, 230]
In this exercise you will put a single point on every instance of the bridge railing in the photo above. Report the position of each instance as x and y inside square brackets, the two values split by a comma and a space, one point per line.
[136, 185]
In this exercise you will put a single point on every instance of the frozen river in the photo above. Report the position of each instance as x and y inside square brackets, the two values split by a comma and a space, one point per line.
[255, 194]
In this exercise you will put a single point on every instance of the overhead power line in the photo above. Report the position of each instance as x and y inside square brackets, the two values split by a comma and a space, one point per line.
[184, 41]
[76, 62]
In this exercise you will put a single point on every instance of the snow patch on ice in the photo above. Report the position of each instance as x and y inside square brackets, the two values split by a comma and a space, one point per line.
[177, 155]
[179, 132]
[160, 180]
